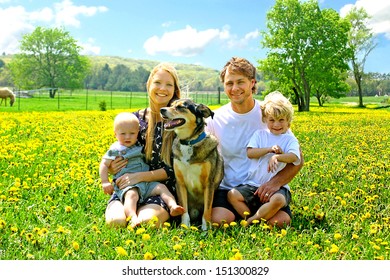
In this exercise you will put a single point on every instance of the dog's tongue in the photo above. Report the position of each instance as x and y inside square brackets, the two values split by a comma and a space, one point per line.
[173, 123]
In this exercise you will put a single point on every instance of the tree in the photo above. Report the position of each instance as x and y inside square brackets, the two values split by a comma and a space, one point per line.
[361, 42]
[49, 58]
[307, 48]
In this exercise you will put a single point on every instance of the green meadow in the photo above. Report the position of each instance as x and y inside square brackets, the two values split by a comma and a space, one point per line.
[52, 206]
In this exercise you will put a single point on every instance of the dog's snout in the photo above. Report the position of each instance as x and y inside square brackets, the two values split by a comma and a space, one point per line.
[163, 110]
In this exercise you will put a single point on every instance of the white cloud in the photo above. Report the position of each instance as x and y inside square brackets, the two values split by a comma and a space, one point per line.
[240, 43]
[184, 42]
[89, 48]
[190, 42]
[379, 10]
[15, 21]
[67, 12]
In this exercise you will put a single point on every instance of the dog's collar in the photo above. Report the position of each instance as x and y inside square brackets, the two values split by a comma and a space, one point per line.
[194, 141]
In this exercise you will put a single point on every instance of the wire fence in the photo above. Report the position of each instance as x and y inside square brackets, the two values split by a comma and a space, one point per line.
[85, 99]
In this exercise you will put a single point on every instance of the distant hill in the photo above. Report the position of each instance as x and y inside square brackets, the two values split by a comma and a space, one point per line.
[195, 76]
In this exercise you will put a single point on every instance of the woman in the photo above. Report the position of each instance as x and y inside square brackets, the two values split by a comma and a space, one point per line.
[163, 88]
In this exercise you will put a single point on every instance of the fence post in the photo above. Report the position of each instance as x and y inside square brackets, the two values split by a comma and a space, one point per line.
[86, 101]
[58, 99]
[219, 95]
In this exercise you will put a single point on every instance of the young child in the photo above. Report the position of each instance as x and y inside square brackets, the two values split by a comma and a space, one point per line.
[270, 151]
[126, 129]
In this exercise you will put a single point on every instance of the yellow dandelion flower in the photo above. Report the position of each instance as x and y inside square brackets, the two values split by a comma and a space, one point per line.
[177, 247]
[130, 242]
[283, 232]
[121, 251]
[237, 256]
[320, 215]
[68, 209]
[334, 249]
[146, 237]
[255, 222]
[243, 223]
[194, 228]
[265, 226]
[184, 226]
[14, 229]
[176, 238]
[246, 213]
[166, 224]
[2, 224]
[232, 224]
[355, 236]
[196, 254]
[30, 256]
[60, 229]
[376, 247]
[148, 256]
[225, 225]
[337, 236]
[43, 231]
[380, 258]
[75, 245]
[140, 231]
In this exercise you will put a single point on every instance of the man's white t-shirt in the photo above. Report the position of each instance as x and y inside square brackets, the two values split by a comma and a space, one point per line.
[233, 132]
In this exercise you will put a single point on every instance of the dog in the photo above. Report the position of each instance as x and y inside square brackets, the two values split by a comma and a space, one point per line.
[197, 162]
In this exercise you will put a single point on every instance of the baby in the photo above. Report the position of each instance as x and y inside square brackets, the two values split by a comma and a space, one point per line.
[126, 129]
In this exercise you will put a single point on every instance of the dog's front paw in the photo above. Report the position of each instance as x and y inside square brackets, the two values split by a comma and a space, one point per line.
[205, 224]
[185, 219]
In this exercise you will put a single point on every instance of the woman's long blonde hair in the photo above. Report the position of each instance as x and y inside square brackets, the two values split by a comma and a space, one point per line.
[167, 136]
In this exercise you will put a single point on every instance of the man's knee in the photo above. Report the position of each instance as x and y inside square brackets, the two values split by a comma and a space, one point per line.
[281, 219]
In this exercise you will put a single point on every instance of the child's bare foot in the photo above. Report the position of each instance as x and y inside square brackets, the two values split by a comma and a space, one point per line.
[133, 221]
[176, 210]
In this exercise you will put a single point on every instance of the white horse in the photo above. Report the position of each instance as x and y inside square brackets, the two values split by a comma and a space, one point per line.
[7, 93]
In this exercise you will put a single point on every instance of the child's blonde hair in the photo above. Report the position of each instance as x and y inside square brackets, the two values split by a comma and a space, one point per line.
[275, 104]
[125, 118]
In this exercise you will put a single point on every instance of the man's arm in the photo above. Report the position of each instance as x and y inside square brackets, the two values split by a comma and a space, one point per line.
[283, 177]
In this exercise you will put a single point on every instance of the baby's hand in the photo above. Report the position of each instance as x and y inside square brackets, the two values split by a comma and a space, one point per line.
[108, 188]
[276, 149]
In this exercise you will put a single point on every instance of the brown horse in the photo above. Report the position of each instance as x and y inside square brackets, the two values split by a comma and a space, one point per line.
[7, 93]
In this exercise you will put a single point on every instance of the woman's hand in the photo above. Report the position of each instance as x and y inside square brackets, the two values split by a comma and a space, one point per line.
[128, 179]
[116, 165]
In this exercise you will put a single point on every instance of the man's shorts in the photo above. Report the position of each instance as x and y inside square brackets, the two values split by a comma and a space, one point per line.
[220, 200]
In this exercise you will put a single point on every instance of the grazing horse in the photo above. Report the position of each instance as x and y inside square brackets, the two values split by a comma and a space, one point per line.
[7, 93]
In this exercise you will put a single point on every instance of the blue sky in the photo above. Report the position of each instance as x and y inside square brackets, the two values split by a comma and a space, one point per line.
[204, 32]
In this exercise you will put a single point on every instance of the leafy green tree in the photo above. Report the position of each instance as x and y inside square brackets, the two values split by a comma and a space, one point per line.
[361, 42]
[49, 57]
[307, 47]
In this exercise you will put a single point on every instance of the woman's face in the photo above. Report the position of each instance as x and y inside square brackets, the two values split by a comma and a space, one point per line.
[162, 88]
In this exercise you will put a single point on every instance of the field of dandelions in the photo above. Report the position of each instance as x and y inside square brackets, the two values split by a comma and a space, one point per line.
[52, 205]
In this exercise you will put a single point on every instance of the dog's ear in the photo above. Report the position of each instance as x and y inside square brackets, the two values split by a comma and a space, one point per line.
[204, 111]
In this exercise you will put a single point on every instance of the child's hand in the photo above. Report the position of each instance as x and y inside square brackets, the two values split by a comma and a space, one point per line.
[108, 188]
[273, 163]
[276, 149]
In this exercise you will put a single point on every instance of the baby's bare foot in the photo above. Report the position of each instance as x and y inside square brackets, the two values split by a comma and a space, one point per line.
[176, 210]
[134, 222]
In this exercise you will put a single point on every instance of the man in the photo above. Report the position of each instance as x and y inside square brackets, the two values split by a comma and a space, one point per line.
[234, 124]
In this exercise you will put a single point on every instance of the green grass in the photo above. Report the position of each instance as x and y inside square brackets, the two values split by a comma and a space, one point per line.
[52, 205]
